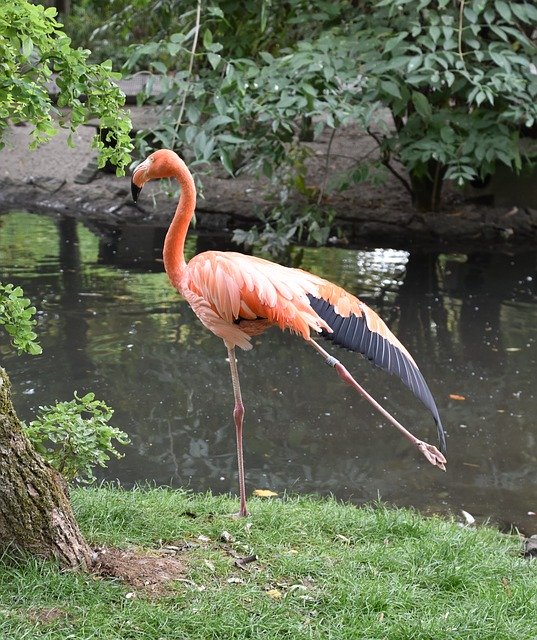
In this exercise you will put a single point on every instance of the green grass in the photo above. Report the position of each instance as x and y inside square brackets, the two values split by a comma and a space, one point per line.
[324, 570]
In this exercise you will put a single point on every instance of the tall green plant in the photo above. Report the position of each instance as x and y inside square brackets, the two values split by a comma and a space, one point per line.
[460, 81]
[34, 51]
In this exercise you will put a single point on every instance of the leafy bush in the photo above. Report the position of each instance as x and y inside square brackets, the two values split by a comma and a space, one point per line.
[247, 84]
[75, 436]
[460, 80]
[33, 48]
[17, 316]
[253, 115]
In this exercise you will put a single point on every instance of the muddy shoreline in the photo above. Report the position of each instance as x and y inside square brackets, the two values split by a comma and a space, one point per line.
[51, 181]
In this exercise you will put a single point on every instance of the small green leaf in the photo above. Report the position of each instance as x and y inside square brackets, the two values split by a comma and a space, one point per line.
[207, 38]
[225, 159]
[503, 9]
[214, 59]
[391, 88]
[421, 104]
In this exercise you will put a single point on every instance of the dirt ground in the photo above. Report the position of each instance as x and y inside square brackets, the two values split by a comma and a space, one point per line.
[57, 179]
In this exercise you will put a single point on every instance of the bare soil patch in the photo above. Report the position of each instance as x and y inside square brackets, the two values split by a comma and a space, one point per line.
[149, 571]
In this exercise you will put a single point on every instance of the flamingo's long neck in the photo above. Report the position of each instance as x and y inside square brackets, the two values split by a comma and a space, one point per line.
[174, 244]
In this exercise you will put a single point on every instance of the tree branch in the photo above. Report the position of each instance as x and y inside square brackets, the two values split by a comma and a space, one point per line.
[386, 162]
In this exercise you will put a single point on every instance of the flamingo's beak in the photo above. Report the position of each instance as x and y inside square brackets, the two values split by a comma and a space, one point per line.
[135, 191]
[139, 178]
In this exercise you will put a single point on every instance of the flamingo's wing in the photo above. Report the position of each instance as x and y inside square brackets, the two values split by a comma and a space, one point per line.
[365, 332]
[233, 286]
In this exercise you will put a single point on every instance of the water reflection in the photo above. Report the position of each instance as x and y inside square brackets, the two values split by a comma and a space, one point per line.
[110, 323]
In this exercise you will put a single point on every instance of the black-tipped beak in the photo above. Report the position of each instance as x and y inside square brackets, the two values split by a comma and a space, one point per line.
[135, 191]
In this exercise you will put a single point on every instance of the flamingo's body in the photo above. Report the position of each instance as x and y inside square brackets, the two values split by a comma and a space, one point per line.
[237, 296]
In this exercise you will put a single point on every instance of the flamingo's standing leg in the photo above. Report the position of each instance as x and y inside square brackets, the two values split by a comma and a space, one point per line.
[238, 415]
[433, 455]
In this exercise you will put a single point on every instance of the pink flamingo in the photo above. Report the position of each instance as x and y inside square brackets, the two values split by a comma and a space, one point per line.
[237, 296]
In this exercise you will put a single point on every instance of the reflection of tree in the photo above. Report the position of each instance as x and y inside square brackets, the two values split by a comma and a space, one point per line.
[75, 326]
[423, 319]
[480, 308]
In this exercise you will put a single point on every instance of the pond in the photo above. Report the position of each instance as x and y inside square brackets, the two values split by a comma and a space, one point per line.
[110, 323]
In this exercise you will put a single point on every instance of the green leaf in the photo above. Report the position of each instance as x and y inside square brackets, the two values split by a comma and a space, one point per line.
[214, 59]
[193, 113]
[434, 32]
[207, 38]
[159, 66]
[503, 9]
[391, 43]
[421, 104]
[391, 88]
[225, 159]
[27, 46]
[224, 137]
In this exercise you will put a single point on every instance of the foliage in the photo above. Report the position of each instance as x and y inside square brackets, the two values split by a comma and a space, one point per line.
[72, 436]
[75, 436]
[285, 225]
[249, 84]
[252, 115]
[33, 48]
[17, 316]
[460, 80]
[243, 28]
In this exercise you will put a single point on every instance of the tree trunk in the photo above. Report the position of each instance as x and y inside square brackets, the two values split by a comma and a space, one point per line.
[35, 514]
[427, 186]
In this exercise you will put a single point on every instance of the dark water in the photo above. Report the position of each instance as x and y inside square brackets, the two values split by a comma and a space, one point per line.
[110, 323]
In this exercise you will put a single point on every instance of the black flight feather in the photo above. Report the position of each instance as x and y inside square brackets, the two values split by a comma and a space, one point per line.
[353, 333]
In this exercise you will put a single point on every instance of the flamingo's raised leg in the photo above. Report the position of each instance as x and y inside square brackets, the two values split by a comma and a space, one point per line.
[431, 453]
[238, 416]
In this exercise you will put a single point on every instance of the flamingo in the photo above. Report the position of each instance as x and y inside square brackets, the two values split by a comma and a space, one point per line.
[238, 296]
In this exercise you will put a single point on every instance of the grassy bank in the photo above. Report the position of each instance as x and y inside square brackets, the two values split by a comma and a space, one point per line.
[321, 570]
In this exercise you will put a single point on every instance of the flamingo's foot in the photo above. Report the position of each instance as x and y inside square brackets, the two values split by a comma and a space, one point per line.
[433, 455]
[239, 514]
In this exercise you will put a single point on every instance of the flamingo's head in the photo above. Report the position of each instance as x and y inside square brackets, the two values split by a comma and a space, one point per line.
[159, 164]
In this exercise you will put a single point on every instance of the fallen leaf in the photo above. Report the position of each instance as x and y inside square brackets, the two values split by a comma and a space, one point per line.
[225, 536]
[468, 517]
[209, 564]
[235, 580]
[343, 538]
[274, 593]
[203, 538]
[505, 585]
[456, 396]
[297, 587]
[264, 493]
